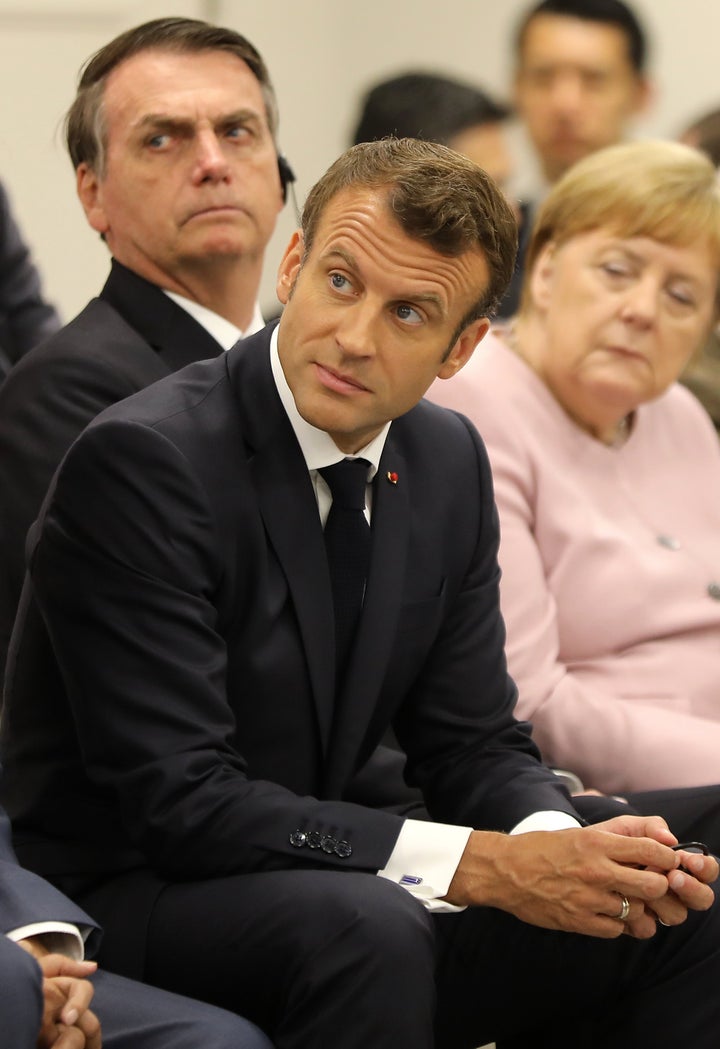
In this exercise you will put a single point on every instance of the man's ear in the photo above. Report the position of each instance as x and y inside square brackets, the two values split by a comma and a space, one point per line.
[290, 266]
[540, 279]
[644, 96]
[90, 195]
[464, 348]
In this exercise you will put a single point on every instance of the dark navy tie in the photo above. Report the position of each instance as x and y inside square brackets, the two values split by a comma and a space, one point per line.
[347, 541]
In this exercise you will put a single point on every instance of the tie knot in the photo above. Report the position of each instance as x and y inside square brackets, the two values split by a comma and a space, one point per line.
[347, 481]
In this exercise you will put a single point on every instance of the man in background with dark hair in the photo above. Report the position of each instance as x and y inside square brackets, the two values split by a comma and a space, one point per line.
[172, 135]
[580, 80]
[250, 571]
[441, 109]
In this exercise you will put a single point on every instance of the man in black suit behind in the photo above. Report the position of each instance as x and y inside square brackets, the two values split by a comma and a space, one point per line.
[207, 743]
[172, 136]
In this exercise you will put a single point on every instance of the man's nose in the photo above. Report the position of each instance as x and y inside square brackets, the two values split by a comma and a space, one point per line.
[355, 332]
[566, 93]
[211, 163]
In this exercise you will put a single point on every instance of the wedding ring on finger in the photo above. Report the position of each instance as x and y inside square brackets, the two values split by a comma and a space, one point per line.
[625, 910]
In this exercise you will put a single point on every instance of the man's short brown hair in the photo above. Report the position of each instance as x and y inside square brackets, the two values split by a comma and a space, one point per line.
[437, 196]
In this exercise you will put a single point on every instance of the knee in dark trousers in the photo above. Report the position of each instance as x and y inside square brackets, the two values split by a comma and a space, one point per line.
[315, 958]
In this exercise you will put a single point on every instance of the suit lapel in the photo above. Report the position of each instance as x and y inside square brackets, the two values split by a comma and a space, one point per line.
[378, 623]
[176, 337]
[289, 510]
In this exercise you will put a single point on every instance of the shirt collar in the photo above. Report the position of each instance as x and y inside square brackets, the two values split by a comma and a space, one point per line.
[222, 330]
[317, 446]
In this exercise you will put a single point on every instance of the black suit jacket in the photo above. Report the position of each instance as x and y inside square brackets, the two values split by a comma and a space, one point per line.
[122, 341]
[181, 567]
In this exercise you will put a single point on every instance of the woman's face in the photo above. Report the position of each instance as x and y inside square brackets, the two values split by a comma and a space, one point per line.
[620, 317]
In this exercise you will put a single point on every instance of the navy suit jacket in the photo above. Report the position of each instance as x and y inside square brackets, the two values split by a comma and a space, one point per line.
[181, 568]
[122, 341]
[25, 898]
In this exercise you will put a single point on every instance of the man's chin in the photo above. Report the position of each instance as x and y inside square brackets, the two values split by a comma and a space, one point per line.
[225, 247]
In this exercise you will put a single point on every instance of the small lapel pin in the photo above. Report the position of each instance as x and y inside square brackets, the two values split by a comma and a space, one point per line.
[392, 477]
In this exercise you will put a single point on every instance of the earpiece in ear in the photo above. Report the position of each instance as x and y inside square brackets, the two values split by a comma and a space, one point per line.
[287, 175]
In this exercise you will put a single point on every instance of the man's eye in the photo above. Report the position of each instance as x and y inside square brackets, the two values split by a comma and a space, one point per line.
[408, 314]
[158, 141]
[238, 133]
[339, 282]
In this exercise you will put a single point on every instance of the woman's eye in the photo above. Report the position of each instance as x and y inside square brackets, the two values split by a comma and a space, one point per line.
[615, 269]
[681, 296]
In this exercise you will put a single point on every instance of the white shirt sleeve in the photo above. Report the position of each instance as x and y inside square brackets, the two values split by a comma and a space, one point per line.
[426, 855]
[546, 820]
[58, 937]
[424, 860]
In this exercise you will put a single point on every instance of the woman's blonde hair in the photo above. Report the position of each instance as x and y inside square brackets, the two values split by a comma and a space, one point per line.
[663, 190]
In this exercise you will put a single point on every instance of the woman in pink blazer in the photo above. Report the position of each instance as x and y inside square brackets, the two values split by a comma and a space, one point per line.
[607, 473]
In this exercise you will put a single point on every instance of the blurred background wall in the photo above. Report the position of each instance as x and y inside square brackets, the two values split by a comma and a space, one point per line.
[321, 55]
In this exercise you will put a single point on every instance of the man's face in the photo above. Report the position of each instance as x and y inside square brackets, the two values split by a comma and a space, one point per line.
[575, 88]
[191, 177]
[370, 317]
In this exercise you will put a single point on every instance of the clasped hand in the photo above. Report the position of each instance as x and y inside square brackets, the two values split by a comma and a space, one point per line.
[67, 1022]
[575, 880]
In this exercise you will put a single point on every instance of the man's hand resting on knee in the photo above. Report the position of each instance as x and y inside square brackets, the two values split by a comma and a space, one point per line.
[67, 1021]
[575, 880]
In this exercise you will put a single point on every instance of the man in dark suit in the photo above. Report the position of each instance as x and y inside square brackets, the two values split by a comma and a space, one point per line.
[207, 729]
[46, 989]
[26, 318]
[184, 183]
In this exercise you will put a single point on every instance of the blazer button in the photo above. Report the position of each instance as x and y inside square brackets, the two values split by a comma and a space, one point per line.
[343, 849]
[298, 838]
[314, 839]
[328, 844]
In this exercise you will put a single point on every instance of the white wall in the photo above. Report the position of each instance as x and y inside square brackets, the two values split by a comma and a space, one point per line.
[321, 54]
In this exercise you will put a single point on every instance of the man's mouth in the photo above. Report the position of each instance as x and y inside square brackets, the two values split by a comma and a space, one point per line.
[339, 382]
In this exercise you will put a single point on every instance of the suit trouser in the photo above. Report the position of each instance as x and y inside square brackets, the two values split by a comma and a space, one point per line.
[339, 958]
[133, 1016]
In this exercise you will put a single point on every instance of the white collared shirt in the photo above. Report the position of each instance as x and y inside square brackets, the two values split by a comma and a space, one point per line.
[222, 330]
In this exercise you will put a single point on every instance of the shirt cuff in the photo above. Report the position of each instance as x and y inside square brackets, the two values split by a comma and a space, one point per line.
[57, 937]
[424, 861]
[546, 820]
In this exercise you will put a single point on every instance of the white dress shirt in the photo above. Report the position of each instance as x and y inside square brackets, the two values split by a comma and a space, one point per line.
[222, 330]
